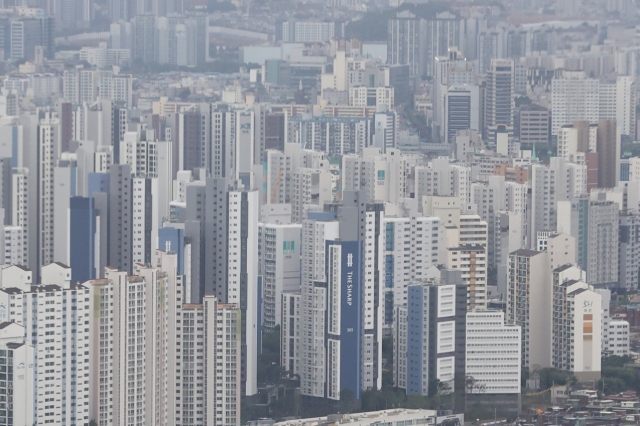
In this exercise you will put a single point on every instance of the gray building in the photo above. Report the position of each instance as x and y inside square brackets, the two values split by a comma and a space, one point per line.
[533, 124]
[120, 218]
[498, 98]
[594, 224]
[629, 251]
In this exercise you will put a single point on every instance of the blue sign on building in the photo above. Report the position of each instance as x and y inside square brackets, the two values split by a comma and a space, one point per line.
[350, 316]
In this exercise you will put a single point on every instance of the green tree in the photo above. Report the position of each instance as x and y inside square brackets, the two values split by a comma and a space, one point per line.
[347, 401]
[552, 376]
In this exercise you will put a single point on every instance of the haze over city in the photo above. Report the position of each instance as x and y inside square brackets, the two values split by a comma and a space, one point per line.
[317, 213]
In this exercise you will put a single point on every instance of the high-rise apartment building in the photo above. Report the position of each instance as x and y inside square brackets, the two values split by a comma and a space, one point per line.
[429, 334]
[576, 333]
[347, 308]
[551, 185]
[574, 97]
[629, 251]
[130, 343]
[595, 226]
[403, 42]
[529, 299]
[279, 248]
[410, 249]
[55, 316]
[471, 260]
[47, 143]
[120, 226]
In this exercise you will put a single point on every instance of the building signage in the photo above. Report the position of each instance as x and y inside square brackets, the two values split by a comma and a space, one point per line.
[350, 316]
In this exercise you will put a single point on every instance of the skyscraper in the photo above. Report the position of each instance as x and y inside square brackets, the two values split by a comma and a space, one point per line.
[499, 92]
[48, 133]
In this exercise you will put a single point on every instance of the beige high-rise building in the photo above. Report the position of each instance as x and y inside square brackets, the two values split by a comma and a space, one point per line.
[529, 303]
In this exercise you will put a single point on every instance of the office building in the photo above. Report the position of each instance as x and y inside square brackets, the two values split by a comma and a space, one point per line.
[533, 125]
[461, 110]
[498, 98]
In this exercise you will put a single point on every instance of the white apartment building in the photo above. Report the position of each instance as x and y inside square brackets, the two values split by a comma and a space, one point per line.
[569, 140]
[307, 32]
[145, 219]
[493, 356]
[55, 316]
[574, 97]
[310, 187]
[358, 173]
[441, 177]
[492, 199]
[17, 359]
[242, 274]
[576, 337]
[385, 130]
[276, 177]
[560, 181]
[312, 364]
[140, 152]
[133, 335]
[144, 337]
[15, 246]
[279, 257]
[208, 337]
[617, 338]
[411, 248]
[626, 105]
